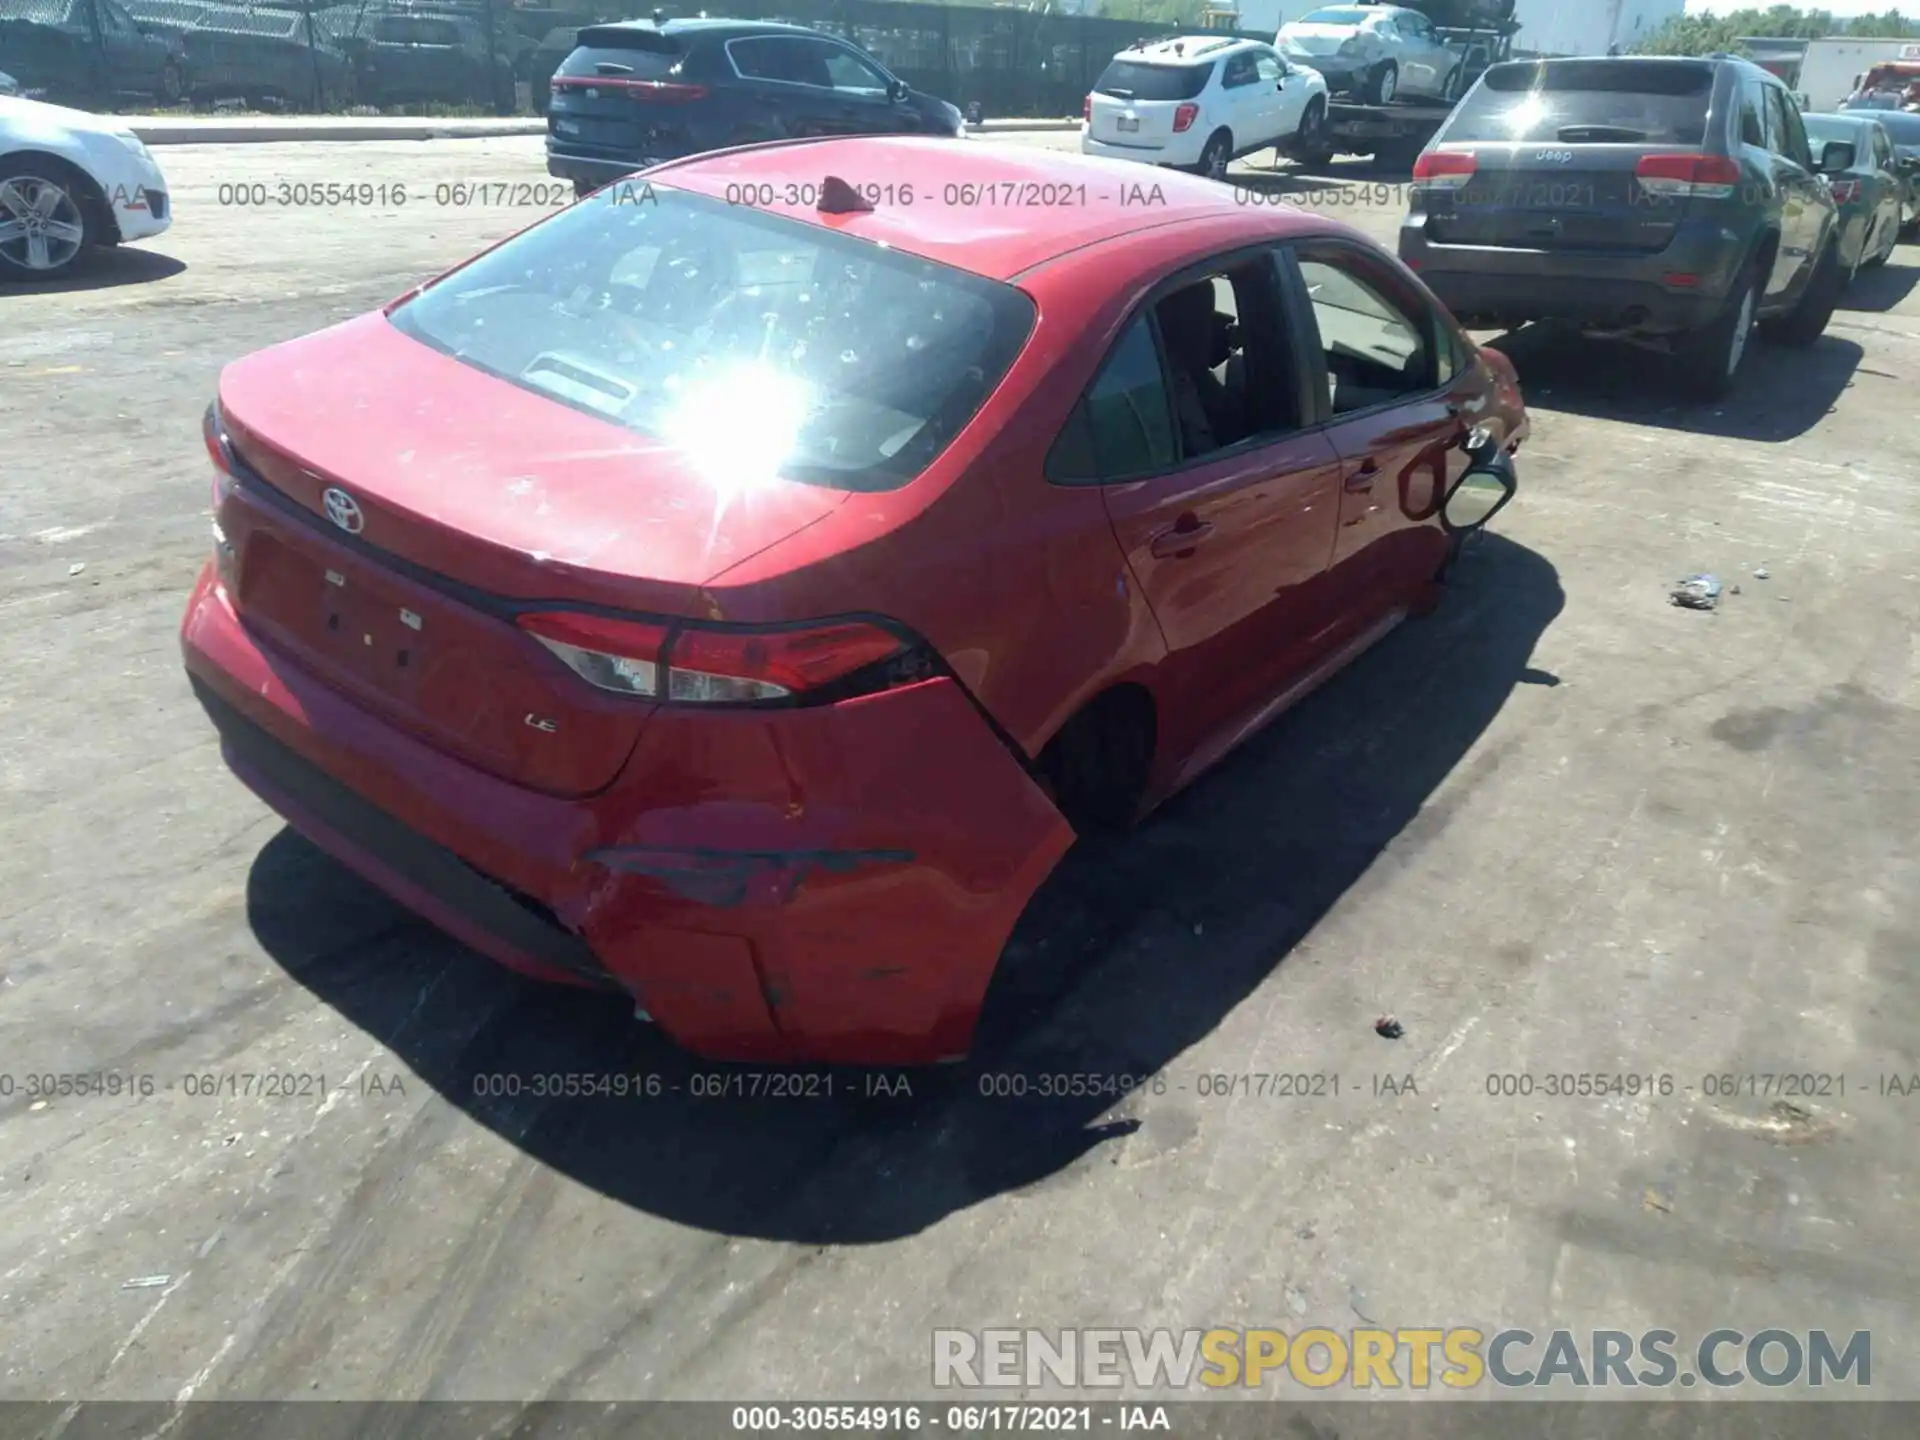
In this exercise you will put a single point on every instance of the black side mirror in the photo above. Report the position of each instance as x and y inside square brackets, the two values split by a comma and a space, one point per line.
[1483, 491]
[1836, 157]
[897, 90]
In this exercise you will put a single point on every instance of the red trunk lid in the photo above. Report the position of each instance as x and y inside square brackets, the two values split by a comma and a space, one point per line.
[468, 491]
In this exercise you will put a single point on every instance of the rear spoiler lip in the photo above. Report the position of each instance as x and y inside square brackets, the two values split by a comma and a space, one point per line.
[628, 37]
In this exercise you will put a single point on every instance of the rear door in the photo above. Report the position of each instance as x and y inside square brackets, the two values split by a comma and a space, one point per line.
[1804, 199]
[616, 97]
[1424, 61]
[1134, 103]
[1889, 206]
[1397, 392]
[133, 57]
[1557, 150]
[1226, 531]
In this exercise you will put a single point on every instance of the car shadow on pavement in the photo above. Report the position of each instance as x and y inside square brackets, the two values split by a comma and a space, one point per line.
[1880, 290]
[105, 270]
[1780, 395]
[1133, 952]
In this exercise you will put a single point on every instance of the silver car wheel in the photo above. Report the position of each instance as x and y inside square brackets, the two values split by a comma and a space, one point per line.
[41, 227]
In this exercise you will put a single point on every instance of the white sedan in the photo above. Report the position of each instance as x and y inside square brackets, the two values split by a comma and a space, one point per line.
[70, 183]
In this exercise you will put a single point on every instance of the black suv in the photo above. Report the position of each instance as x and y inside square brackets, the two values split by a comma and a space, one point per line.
[636, 93]
[1666, 200]
[88, 53]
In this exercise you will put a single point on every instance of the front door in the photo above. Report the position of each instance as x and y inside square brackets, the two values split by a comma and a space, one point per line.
[1287, 89]
[1399, 400]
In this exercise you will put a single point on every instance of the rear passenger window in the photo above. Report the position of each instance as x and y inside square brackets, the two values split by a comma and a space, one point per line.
[1239, 71]
[1123, 427]
[1753, 130]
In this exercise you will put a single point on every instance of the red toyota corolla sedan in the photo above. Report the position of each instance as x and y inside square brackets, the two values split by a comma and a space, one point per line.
[736, 589]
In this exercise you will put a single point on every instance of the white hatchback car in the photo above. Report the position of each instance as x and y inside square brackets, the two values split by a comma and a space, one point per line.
[1196, 103]
[71, 182]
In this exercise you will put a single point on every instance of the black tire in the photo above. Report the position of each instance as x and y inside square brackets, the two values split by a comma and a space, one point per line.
[1807, 321]
[1383, 84]
[172, 85]
[1709, 360]
[581, 189]
[1217, 155]
[78, 207]
[1096, 768]
[1311, 145]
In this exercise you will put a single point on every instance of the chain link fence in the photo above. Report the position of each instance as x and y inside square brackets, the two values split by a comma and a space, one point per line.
[493, 57]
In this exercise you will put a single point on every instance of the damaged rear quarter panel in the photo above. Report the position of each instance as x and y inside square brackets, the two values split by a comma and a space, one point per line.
[874, 855]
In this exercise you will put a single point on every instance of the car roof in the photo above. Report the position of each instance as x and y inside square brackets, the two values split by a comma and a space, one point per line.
[703, 26]
[995, 209]
[1185, 49]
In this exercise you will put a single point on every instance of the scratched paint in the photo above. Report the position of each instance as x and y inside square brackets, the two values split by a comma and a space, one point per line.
[726, 879]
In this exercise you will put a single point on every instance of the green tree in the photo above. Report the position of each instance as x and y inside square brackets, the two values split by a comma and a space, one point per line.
[1791, 22]
[1694, 35]
[1155, 12]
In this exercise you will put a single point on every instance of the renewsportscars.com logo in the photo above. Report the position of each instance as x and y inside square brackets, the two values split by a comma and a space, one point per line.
[1366, 1359]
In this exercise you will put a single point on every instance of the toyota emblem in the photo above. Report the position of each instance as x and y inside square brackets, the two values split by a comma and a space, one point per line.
[343, 510]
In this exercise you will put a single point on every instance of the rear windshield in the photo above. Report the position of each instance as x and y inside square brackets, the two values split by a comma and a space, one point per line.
[1573, 102]
[1132, 80]
[755, 342]
[639, 64]
[1336, 15]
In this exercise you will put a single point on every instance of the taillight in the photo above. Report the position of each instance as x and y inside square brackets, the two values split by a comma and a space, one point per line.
[1184, 117]
[214, 431]
[619, 655]
[655, 91]
[1703, 177]
[1086, 110]
[704, 665]
[1845, 191]
[720, 665]
[1445, 167]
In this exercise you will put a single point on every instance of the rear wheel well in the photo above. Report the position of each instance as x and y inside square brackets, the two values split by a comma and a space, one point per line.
[1097, 763]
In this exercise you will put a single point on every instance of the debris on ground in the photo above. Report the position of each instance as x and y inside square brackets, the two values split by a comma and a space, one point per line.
[1657, 1198]
[1760, 573]
[76, 567]
[1388, 1028]
[1697, 592]
[147, 1282]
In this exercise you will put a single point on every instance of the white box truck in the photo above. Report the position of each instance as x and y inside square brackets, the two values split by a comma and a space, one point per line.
[1833, 67]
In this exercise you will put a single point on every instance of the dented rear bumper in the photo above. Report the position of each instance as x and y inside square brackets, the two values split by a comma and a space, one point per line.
[826, 884]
